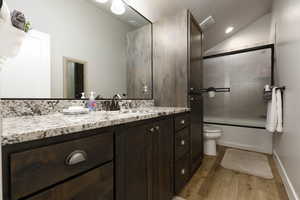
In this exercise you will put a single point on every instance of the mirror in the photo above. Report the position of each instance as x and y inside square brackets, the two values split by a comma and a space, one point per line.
[78, 46]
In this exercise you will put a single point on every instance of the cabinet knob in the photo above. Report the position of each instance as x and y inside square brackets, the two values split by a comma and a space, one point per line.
[182, 122]
[182, 142]
[76, 157]
[192, 98]
[157, 128]
[151, 130]
[192, 89]
[183, 171]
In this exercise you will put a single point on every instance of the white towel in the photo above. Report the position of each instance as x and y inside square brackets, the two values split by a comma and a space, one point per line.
[274, 114]
[279, 111]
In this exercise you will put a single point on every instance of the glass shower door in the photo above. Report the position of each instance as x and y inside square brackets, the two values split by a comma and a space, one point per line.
[246, 74]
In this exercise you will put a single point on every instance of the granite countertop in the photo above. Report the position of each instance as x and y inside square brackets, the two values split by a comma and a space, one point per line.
[29, 128]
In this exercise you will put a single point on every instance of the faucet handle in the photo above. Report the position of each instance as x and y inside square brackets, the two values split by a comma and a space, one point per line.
[117, 96]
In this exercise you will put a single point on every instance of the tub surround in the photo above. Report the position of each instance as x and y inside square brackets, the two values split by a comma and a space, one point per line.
[18, 108]
[29, 128]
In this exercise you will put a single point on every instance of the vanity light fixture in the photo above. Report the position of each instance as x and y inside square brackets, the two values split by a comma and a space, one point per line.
[118, 7]
[229, 29]
[101, 1]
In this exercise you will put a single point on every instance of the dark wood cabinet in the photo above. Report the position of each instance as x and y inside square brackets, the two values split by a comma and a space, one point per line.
[93, 185]
[196, 98]
[134, 163]
[182, 173]
[180, 72]
[182, 143]
[144, 161]
[182, 149]
[163, 160]
[48, 165]
[196, 132]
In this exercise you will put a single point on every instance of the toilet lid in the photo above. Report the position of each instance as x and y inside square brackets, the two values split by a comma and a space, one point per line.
[212, 129]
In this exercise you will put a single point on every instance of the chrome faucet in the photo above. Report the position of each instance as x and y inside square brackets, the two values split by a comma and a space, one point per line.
[114, 105]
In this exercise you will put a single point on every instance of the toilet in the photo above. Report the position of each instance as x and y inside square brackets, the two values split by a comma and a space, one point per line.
[211, 134]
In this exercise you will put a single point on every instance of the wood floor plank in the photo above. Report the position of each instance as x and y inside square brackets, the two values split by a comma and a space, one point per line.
[213, 182]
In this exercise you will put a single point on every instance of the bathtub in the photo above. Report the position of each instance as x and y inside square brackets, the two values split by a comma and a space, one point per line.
[243, 133]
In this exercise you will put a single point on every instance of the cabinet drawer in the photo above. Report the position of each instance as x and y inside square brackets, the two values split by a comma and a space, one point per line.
[182, 121]
[96, 184]
[182, 173]
[182, 143]
[39, 168]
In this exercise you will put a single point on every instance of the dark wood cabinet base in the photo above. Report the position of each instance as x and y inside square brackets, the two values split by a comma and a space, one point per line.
[145, 160]
[93, 185]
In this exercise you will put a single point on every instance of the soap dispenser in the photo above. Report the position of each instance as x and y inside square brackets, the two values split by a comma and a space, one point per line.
[82, 95]
[92, 105]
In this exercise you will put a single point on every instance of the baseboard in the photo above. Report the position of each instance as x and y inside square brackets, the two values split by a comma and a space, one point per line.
[286, 180]
[243, 146]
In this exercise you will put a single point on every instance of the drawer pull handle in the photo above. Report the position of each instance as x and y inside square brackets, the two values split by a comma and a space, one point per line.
[182, 122]
[76, 157]
[183, 171]
[182, 142]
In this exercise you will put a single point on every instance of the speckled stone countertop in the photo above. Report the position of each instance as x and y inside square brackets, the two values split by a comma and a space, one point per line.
[29, 128]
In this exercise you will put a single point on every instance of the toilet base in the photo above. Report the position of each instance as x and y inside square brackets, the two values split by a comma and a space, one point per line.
[210, 147]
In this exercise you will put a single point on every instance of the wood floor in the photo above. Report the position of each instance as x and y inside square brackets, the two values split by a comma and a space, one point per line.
[213, 182]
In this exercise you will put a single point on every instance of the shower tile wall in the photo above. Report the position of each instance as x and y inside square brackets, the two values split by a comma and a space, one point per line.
[246, 74]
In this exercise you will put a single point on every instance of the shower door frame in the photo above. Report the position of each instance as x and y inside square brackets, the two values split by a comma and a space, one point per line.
[268, 46]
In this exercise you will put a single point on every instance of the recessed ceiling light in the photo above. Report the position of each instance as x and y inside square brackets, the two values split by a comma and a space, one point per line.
[132, 21]
[229, 29]
[101, 1]
[118, 7]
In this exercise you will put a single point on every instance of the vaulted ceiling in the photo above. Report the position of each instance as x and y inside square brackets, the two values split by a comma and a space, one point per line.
[237, 13]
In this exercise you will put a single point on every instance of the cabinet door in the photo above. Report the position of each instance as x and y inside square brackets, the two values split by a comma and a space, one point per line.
[196, 102]
[134, 163]
[196, 132]
[94, 185]
[163, 154]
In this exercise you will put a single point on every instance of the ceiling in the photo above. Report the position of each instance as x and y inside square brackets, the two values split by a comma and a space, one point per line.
[237, 13]
[130, 17]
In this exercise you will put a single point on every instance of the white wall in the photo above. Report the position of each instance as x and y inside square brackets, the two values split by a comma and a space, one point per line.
[80, 30]
[251, 139]
[256, 34]
[286, 16]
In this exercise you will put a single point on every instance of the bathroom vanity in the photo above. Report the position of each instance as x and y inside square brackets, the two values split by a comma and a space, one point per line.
[105, 155]
[142, 154]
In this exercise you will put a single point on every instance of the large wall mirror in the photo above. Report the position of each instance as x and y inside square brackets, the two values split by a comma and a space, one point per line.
[84, 46]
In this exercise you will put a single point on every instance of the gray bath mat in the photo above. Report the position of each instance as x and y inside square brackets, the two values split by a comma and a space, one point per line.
[247, 162]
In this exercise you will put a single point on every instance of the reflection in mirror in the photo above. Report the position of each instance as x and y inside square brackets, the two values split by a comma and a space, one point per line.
[113, 53]
[74, 78]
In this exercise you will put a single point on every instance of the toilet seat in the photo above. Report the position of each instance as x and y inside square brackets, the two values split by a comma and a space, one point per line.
[212, 132]
[211, 129]
[212, 135]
